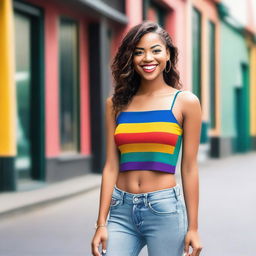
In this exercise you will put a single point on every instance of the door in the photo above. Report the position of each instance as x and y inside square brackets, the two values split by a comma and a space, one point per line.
[23, 94]
[242, 141]
[29, 79]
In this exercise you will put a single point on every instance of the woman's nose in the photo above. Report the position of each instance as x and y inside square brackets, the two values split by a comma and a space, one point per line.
[148, 57]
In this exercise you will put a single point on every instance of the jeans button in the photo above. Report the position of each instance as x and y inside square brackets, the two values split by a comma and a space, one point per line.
[136, 199]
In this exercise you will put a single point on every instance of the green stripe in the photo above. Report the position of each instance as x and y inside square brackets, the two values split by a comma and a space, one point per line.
[147, 156]
[153, 156]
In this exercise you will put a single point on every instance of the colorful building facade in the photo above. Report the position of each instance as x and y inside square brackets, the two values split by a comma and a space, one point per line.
[237, 81]
[204, 70]
[55, 78]
[55, 86]
[223, 75]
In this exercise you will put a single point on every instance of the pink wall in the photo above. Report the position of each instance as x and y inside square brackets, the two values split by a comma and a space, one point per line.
[251, 18]
[51, 84]
[134, 10]
[85, 136]
[151, 14]
[176, 27]
[52, 12]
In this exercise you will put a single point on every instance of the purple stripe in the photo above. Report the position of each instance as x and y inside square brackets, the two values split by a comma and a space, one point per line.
[155, 166]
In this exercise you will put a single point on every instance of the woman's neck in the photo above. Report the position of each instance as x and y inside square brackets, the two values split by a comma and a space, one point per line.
[150, 87]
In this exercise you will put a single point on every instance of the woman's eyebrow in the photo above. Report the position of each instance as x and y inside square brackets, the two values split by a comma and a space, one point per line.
[150, 47]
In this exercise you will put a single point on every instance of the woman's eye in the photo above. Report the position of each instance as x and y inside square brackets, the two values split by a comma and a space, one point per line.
[137, 53]
[140, 52]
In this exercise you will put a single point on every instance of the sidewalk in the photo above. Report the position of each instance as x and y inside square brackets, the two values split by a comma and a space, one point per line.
[14, 203]
[37, 194]
[42, 194]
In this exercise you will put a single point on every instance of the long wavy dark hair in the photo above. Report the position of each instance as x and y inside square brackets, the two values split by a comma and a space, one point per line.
[126, 79]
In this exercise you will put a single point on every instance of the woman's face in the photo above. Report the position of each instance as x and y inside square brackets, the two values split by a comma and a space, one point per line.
[150, 56]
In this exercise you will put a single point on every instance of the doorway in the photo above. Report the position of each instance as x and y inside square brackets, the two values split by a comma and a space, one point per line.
[242, 125]
[29, 79]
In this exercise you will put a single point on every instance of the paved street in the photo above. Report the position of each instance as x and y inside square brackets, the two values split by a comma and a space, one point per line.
[226, 217]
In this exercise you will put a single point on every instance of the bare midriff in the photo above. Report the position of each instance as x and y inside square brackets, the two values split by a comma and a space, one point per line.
[143, 181]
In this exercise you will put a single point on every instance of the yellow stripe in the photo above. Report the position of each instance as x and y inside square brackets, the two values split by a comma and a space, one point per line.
[146, 147]
[149, 127]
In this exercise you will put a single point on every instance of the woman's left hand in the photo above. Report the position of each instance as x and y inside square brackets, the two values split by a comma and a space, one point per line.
[192, 239]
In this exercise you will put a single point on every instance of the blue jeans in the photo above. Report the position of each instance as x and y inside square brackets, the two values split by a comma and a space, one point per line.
[157, 219]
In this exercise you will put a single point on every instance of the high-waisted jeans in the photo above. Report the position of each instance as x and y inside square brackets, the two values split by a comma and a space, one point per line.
[157, 219]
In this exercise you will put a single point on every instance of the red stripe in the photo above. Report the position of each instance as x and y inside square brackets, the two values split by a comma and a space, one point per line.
[146, 137]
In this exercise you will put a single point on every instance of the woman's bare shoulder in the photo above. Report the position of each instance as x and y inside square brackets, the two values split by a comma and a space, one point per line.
[189, 99]
[188, 95]
[109, 101]
[109, 104]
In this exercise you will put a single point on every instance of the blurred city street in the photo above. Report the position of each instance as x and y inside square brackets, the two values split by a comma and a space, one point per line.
[227, 213]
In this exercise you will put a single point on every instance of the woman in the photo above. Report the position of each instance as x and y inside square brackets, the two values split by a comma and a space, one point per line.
[145, 130]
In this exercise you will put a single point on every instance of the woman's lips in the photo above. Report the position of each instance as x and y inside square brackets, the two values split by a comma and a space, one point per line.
[149, 68]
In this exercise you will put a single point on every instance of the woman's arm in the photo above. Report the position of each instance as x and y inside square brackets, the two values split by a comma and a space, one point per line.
[111, 167]
[192, 121]
[109, 177]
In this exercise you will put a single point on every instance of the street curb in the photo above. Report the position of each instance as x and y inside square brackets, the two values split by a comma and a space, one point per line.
[92, 184]
[19, 202]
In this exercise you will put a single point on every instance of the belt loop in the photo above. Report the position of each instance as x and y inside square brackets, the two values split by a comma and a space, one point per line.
[176, 190]
[122, 197]
[146, 199]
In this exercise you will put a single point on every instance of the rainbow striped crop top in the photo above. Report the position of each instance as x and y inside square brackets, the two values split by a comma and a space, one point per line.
[148, 140]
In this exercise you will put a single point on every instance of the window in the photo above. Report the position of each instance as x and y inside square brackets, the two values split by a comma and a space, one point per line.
[196, 52]
[212, 74]
[153, 12]
[68, 79]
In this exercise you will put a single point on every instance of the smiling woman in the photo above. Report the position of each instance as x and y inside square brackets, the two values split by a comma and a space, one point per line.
[147, 119]
[145, 53]
[151, 59]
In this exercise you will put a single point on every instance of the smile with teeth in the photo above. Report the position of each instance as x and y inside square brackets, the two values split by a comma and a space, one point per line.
[149, 68]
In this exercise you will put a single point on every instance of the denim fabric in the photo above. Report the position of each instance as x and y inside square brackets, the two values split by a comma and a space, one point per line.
[157, 219]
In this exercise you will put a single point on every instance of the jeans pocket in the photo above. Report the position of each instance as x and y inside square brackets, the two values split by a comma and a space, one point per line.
[115, 202]
[163, 206]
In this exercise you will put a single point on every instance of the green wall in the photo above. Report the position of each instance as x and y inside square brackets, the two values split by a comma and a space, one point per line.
[233, 54]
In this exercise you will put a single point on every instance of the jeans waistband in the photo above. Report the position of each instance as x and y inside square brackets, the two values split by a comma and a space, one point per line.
[153, 195]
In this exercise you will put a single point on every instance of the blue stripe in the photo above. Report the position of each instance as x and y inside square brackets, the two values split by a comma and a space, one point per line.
[146, 116]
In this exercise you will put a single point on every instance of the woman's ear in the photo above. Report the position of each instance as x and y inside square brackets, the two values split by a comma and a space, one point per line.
[168, 53]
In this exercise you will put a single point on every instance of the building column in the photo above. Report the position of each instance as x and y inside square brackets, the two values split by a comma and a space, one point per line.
[7, 98]
[99, 89]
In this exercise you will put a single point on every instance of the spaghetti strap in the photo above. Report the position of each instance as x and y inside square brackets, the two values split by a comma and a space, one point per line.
[175, 98]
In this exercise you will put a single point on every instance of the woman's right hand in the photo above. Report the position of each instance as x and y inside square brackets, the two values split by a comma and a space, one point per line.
[100, 237]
